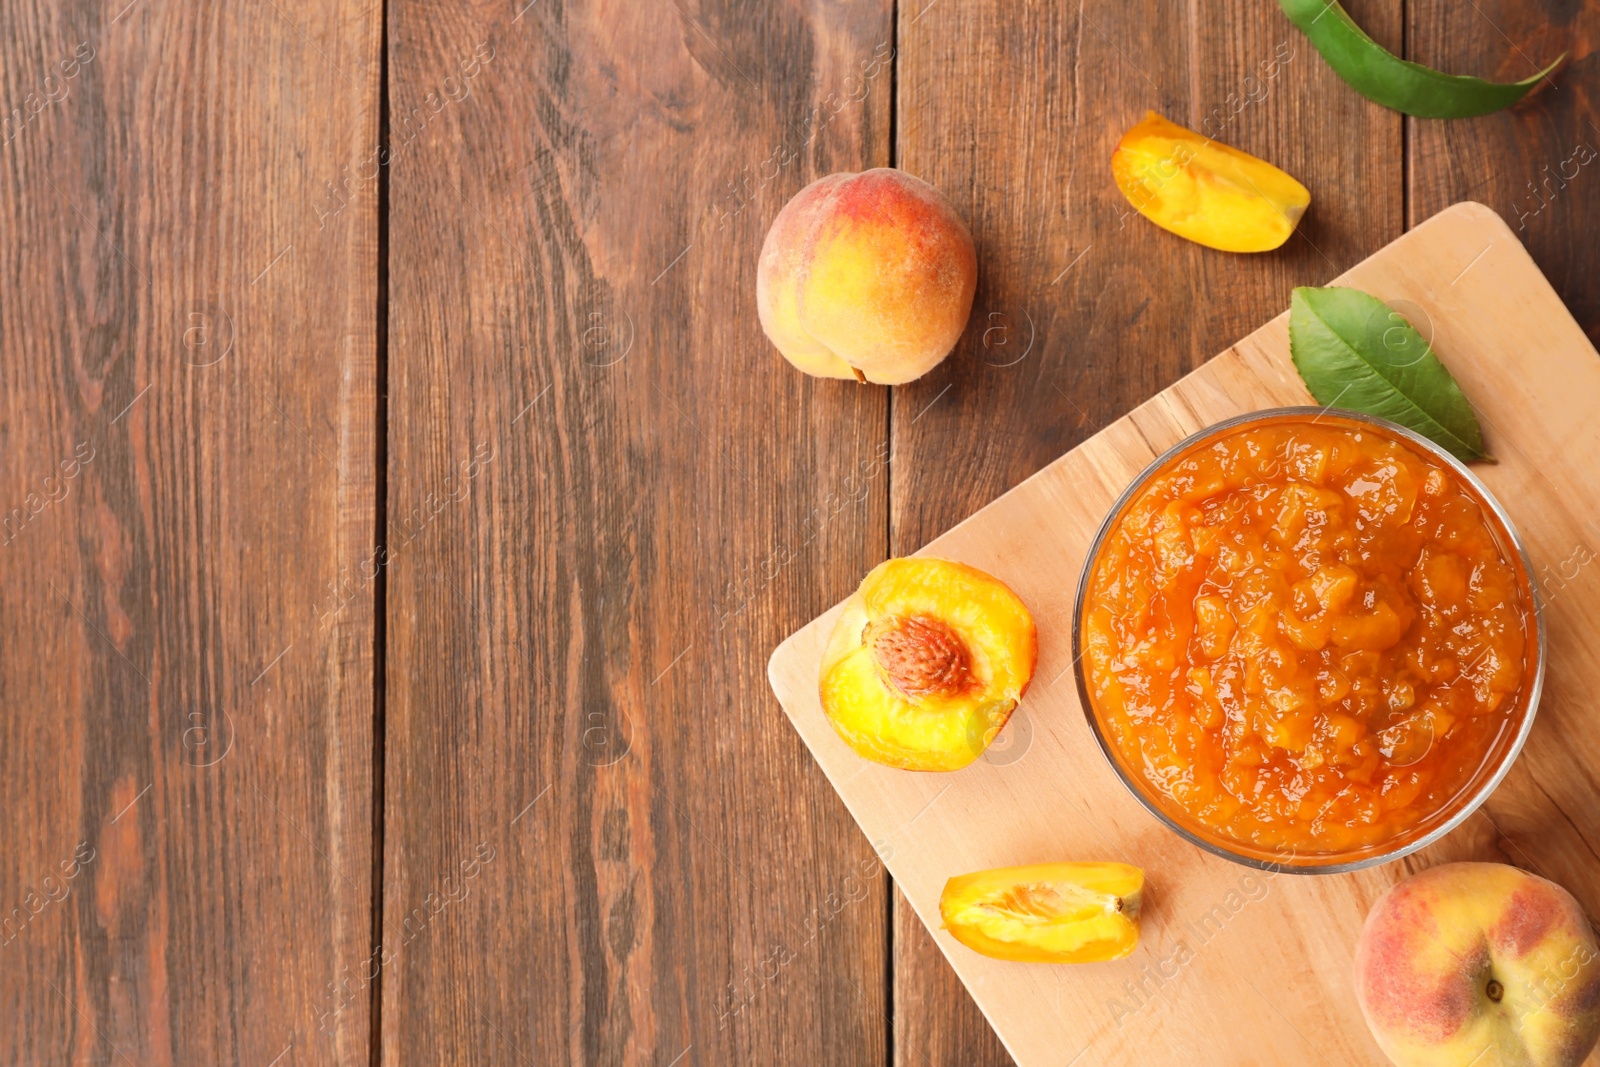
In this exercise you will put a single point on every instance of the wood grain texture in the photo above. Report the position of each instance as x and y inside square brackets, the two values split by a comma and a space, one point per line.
[1084, 309]
[607, 495]
[186, 460]
[1537, 164]
[1237, 965]
[633, 498]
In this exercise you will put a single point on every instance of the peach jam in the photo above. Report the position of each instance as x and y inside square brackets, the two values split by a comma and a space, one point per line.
[1306, 636]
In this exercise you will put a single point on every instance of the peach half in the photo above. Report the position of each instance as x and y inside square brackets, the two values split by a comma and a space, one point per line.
[1479, 963]
[927, 663]
[867, 276]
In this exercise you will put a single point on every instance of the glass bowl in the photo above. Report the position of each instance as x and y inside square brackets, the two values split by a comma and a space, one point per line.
[1503, 749]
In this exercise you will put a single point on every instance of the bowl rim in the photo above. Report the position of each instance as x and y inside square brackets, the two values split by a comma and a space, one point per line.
[1535, 689]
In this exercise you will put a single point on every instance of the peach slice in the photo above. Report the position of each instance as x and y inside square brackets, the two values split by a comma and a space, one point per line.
[927, 663]
[1046, 912]
[1204, 190]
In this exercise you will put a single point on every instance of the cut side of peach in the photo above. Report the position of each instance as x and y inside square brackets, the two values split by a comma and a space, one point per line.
[1204, 190]
[927, 663]
[1046, 912]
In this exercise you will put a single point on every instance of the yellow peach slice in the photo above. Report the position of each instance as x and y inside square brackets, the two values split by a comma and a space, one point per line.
[1046, 912]
[1204, 190]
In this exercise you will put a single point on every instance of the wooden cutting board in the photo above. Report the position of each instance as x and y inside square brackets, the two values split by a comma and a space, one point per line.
[1234, 965]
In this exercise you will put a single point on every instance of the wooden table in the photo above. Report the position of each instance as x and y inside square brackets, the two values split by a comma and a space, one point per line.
[401, 499]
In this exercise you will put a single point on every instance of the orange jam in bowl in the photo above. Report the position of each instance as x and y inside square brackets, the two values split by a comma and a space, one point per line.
[1308, 638]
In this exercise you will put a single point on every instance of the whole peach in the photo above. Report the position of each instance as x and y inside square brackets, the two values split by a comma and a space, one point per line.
[1482, 964]
[867, 276]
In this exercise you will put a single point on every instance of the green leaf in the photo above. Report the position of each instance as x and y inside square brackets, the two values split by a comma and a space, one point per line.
[1384, 77]
[1357, 353]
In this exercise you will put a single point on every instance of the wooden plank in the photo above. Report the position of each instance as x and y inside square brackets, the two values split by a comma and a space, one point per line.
[633, 497]
[187, 401]
[1083, 308]
[1538, 164]
[1271, 981]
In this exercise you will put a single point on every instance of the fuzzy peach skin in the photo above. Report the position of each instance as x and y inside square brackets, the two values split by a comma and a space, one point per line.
[871, 273]
[1481, 964]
